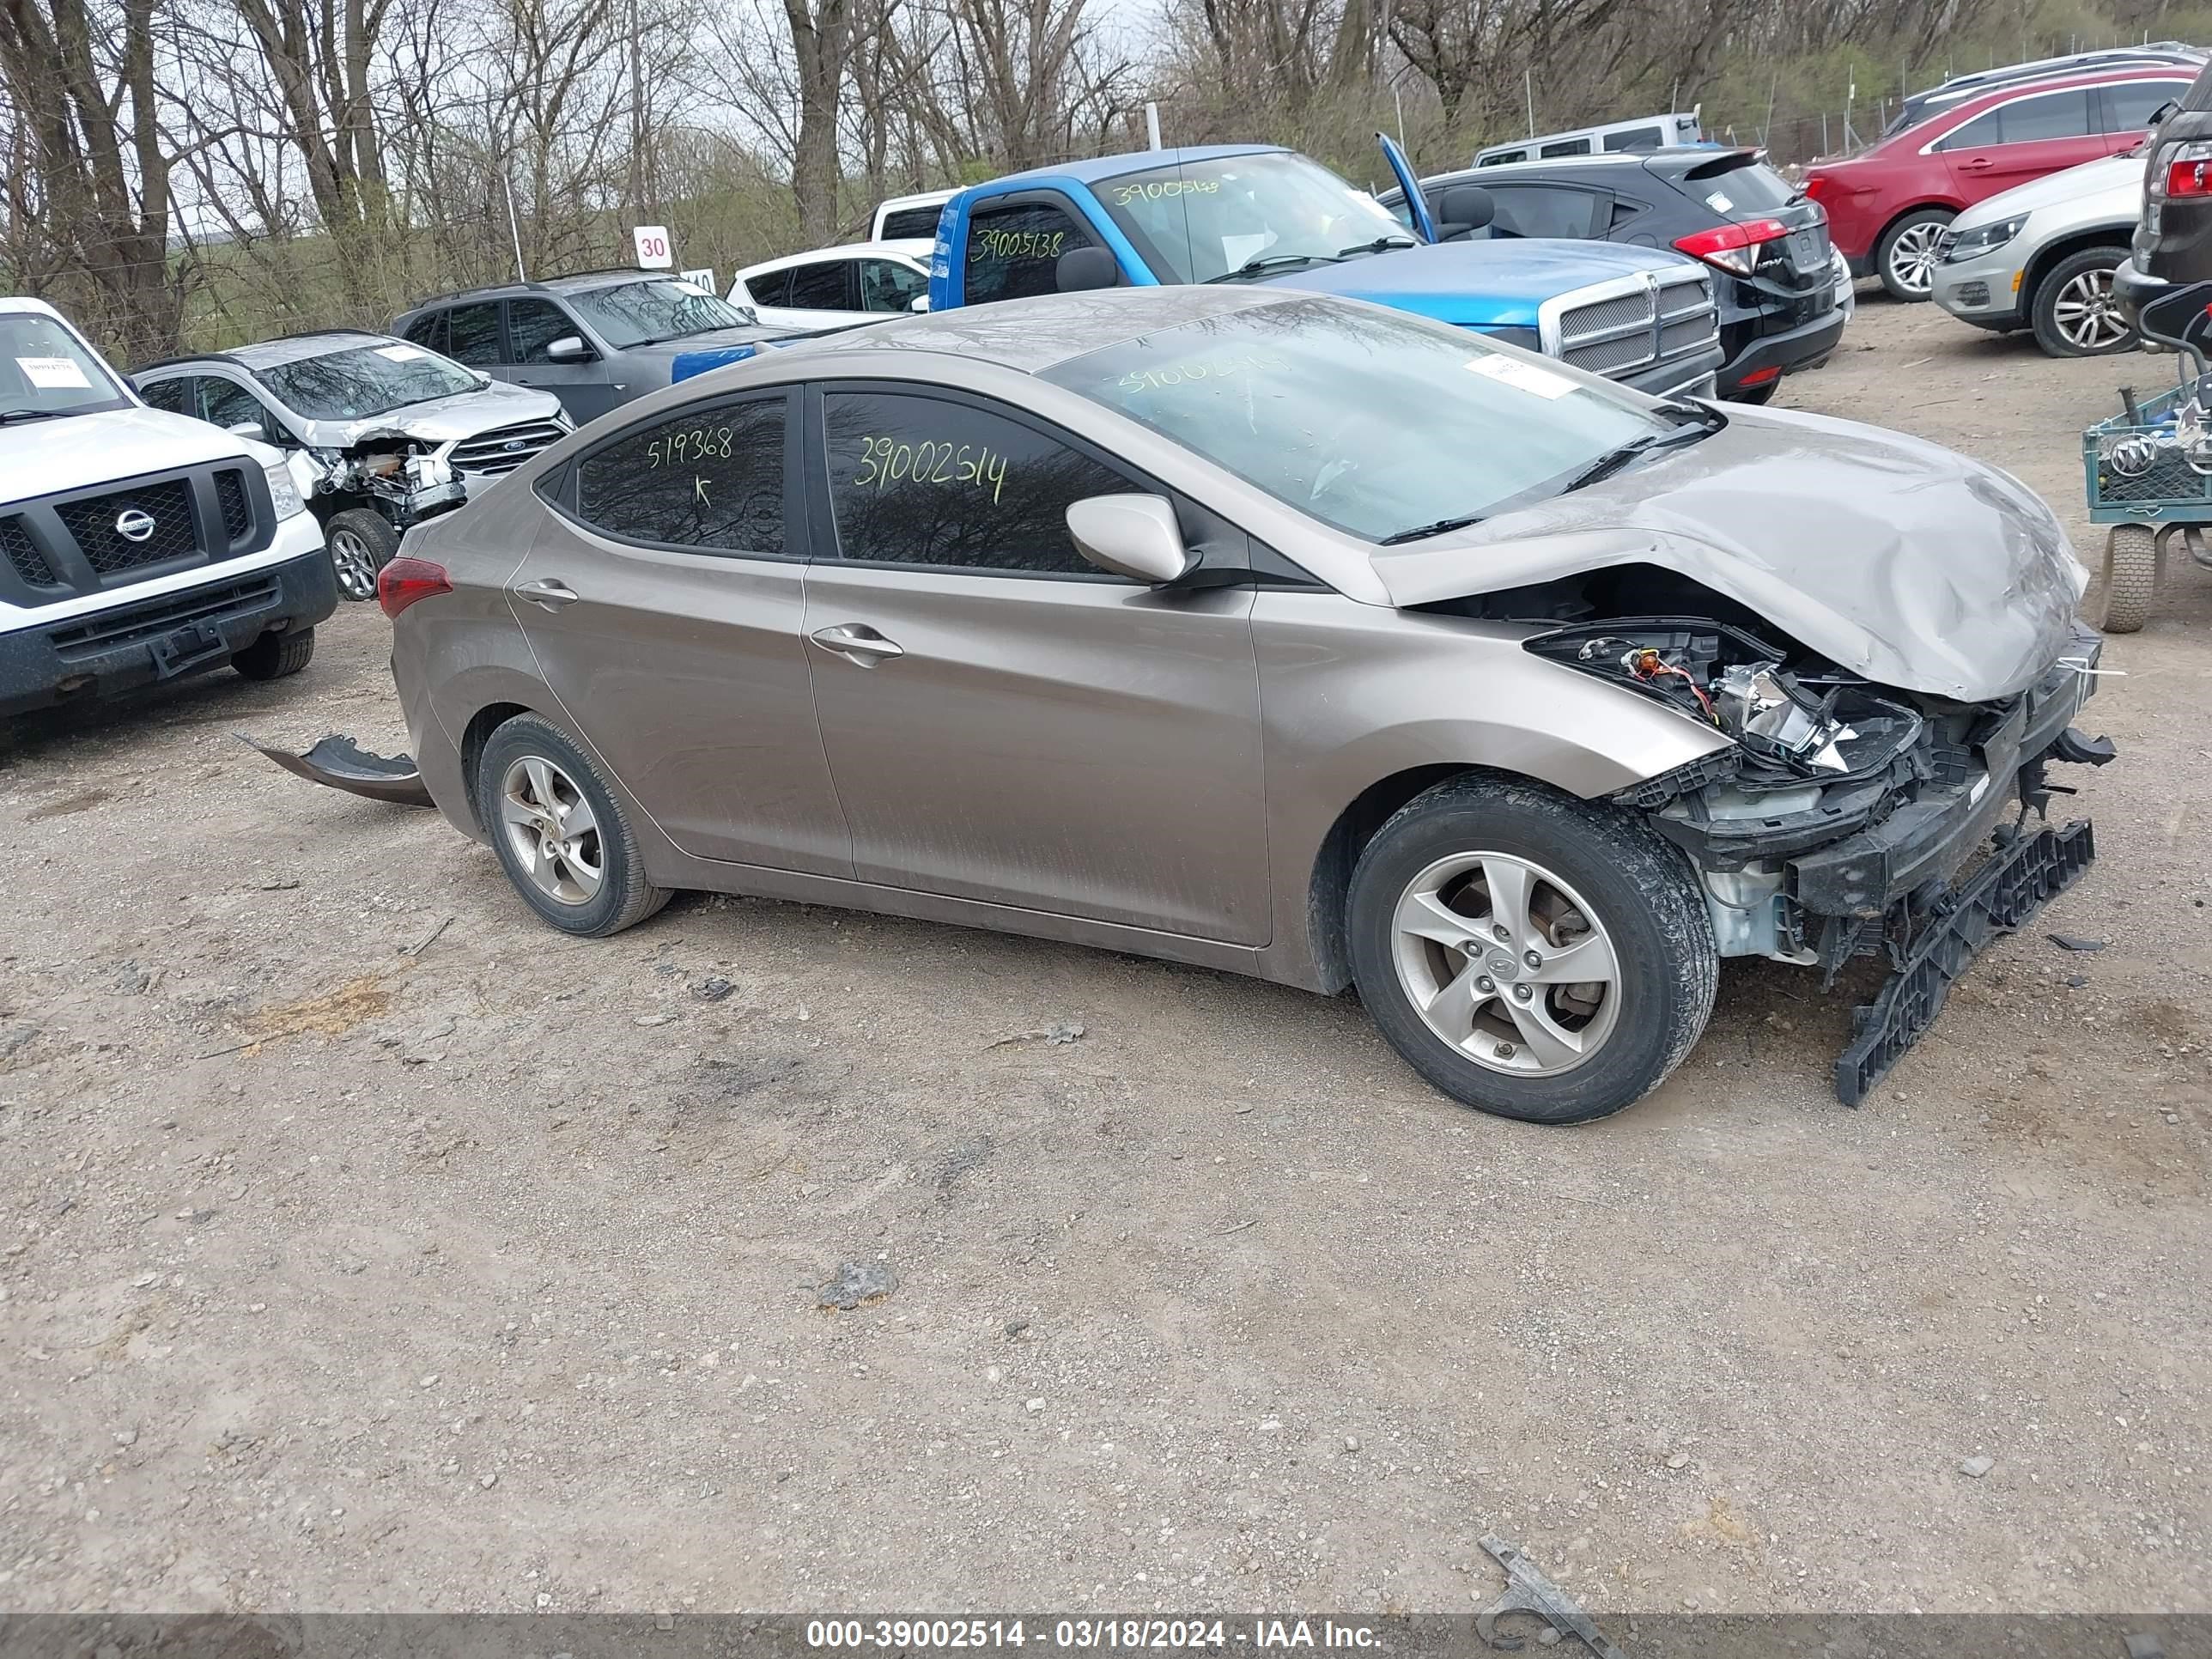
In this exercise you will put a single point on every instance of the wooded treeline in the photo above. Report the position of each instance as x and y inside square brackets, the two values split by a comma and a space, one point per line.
[208, 171]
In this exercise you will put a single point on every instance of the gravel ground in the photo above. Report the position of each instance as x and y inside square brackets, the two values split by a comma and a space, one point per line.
[344, 1270]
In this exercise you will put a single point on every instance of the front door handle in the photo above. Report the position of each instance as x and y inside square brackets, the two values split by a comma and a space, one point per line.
[857, 642]
[1979, 164]
[548, 592]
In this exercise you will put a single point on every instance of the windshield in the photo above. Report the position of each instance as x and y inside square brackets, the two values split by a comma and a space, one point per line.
[45, 369]
[1200, 222]
[637, 314]
[348, 385]
[1308, 400]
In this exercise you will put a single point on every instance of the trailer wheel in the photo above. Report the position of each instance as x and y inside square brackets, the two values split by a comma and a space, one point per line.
[2130, 577]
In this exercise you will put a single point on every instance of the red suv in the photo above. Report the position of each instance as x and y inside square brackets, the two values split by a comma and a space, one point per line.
[1887, 206]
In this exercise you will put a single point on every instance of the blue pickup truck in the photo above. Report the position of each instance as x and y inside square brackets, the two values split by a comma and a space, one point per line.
[1226, 213]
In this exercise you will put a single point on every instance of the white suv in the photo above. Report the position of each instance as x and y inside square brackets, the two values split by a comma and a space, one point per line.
[138, 546]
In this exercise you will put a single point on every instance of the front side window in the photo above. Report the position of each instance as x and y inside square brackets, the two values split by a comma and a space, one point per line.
[534, 325]
[44, 370]
[472, 334]
[228, 405]
[365, 380]
[1013, 251]
[826, 285]
[919, 480]
[1238, 217]
[2054, 115]
[1308, 400]
[710, 478]
[660, 308]
[887, 285]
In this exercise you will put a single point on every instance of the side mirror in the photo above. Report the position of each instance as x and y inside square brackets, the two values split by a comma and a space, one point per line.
[1459, 208]
[750, 316]
[568, 348]
[243, 428]
[920, 302]
[1132, 536]
[1082, 269]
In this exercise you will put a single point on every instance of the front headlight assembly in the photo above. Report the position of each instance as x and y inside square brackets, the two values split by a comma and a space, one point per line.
[1982, 238]
[283, 492]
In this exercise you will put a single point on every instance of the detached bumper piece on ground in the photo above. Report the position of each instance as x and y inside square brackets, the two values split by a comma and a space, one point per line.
[339, 762]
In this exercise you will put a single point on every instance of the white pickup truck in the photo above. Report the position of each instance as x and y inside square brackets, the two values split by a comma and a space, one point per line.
[138, 546]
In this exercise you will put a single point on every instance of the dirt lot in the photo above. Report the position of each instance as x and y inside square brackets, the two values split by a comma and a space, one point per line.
[343, 1274]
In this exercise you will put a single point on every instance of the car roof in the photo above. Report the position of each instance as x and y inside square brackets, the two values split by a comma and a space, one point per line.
[1030, 336]
[284, 349]
[1668, 163]
[2059, 82]
[1093, 168]
[578, 281]
[898, 247]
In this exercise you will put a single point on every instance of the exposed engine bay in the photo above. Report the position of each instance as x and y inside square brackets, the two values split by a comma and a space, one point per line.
[1843, 819]
[401, 477]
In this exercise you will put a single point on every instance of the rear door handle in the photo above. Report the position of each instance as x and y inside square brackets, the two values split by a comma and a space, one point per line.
[548, 592]
[857, 642]
[1979, 164]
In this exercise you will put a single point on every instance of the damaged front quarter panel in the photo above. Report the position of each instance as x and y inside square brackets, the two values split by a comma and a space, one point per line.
[406, 479]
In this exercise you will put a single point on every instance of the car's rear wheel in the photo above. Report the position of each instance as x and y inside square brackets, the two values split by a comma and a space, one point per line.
[361, 543]
[560, 834]
[1530, 954]
[2074, 313]
[1906, 257]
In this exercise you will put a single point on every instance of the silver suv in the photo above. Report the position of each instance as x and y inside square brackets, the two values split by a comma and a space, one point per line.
[382, 434]
[593, 341]
[2041, 257]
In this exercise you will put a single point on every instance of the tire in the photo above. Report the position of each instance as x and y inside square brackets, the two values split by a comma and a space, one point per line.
[276, 656]
[1756, 395]
[527, 760]
[1906, 252]
[2130, 581]
[2072, 311]
[361, 543]
[1636, 892]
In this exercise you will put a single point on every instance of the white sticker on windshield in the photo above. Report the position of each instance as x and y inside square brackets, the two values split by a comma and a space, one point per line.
[1718, 203]
[52, 373]
[1236, 249]
[1527, 377]
[401, 354]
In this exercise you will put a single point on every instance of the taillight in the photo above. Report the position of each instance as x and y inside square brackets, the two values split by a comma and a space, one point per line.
[1733, 248]
[403, 581]
[2189, 178]
[1816, 185]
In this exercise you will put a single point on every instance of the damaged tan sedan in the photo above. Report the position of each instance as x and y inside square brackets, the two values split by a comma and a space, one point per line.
[1276, 633]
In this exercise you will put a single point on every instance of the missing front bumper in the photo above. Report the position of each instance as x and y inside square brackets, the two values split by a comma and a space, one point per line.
[2001, 898]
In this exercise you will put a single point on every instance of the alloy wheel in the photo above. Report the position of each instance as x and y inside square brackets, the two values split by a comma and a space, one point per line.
[1912, 257]
[552, 830]
[354, 563]
[2086, 315]
[1506, 962]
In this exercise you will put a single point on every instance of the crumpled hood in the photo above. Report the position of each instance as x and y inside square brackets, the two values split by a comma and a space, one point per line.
[1494, 284]
[1894, 558]
[441, 420]
[44, 458]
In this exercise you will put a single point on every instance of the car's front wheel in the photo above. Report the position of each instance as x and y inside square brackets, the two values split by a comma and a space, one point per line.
[561, 836]
[1905, 257]
[2074, 313]
[361, 543]
[1530, 954]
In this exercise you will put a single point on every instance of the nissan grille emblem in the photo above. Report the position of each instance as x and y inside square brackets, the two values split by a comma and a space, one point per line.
[134, 524]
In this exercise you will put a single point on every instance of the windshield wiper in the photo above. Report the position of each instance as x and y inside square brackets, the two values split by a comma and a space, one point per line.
[1263, 262]
[1688, 432]
[1419, 532]
[9, 417]
[1380, 245]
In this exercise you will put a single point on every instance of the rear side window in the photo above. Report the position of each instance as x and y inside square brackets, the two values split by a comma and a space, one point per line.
[909, 224]
[1530, 210]
[472, 334]
[2049, 115]
[826, 285]
[710, 478]
[1013, 251]
[918, 480]
[173, 395]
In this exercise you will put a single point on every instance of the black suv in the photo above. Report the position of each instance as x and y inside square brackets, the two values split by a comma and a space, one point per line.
[594, 340]
[1725, 207]
[2172, 242]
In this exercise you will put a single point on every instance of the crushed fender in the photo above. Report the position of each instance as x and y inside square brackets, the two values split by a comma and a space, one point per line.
[339, 762]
